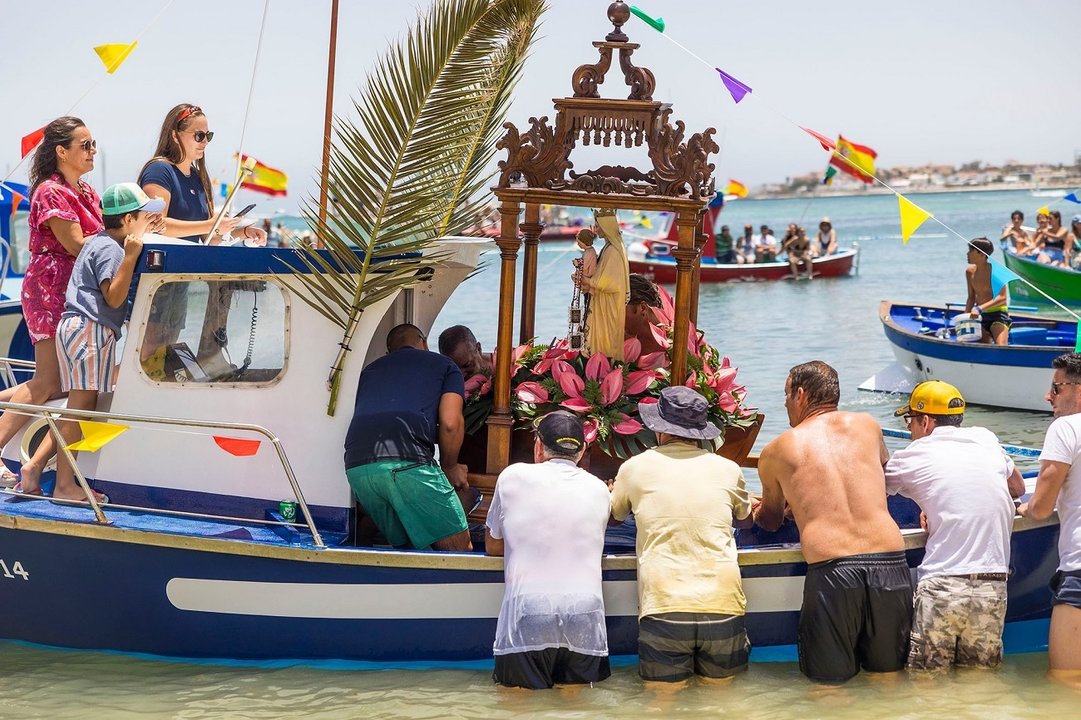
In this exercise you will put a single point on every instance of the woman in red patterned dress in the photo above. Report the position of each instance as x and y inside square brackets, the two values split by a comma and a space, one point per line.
[63, 211]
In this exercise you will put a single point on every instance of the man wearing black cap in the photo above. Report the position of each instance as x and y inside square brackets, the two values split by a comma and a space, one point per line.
[548, 520]
[685, 501]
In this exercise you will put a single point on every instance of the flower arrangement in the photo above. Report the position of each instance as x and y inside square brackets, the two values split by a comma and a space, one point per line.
[606, 393]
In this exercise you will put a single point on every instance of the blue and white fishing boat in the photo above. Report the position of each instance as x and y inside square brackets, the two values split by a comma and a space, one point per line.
[925, 342]
[192, 557]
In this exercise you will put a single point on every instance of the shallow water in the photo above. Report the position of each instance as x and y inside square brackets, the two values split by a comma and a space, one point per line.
[766, 328]
[41, 683]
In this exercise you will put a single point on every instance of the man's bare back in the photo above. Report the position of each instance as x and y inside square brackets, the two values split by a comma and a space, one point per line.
[829, 469]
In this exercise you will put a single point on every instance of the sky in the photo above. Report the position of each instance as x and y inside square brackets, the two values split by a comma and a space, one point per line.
[919, 81]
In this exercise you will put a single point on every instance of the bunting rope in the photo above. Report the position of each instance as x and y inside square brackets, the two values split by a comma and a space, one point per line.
[912, 215]
[110, 68]
[251, 91]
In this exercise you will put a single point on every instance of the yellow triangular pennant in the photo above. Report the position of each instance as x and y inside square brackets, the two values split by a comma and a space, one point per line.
[113, 54]
[96, 435]
[912, 216]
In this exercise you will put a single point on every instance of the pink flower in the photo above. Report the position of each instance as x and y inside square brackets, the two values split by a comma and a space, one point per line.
[597, 367]
[653, 360]
[638, 381]
[632, 348]
[571, 384]
[723, 380]
[477, 384]
[532, 392]
[648, 400]
[727, 402]
[612, 386]
[589, 429]
[627, 425]
[577, 403]
[660, 336]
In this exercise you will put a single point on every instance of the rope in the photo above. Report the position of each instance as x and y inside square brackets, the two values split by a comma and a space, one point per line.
[251, 90]
[834, 153]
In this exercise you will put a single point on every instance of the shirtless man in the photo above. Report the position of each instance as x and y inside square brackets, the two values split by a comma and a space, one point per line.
[982, 300]
[857, 597]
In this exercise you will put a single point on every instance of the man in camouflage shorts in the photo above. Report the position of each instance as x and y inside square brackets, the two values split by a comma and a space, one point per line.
[963, 482]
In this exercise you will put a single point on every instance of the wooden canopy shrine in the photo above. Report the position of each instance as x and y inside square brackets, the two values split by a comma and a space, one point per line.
[538, 171]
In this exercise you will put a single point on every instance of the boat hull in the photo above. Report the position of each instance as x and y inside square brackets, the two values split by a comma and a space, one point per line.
[109, 588]
[1013, 376]
[1060, 283]
[662, 269]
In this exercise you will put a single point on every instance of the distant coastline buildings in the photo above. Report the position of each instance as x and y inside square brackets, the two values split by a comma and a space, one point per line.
[974, 175]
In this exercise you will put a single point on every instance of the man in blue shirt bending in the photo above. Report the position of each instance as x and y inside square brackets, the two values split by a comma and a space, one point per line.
[408, 402]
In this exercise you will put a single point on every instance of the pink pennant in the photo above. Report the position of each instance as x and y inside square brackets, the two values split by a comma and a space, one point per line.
[737, 89]
[824, 141]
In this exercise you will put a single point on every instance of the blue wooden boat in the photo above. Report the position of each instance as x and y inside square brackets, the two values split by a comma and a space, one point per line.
[192, 559]
[926, 347]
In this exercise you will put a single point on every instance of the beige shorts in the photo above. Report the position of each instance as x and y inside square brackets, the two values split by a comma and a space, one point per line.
[958, 621]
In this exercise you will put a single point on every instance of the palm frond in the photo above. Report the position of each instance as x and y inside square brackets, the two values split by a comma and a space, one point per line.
[409, 170]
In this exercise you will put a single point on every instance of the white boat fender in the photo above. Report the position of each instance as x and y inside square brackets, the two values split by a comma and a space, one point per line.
[968, 327]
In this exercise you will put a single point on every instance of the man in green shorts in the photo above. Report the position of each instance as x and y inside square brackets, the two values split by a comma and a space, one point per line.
[409, 401]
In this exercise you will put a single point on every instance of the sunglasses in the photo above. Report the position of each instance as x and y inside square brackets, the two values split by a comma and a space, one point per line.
[201, 135]
[88, 145]
[909, 417]
[1056, 386]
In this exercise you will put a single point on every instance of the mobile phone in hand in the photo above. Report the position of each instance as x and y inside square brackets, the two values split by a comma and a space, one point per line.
[245, 211]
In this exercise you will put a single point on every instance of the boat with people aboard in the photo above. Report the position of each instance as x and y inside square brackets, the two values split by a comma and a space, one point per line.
[230, 530]
[1041, 279]
[653, 258]
[932, 343]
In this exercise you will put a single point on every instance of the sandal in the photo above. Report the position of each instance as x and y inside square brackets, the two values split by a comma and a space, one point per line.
[21, 494]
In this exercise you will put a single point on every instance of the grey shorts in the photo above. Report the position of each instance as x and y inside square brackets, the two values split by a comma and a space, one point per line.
[957, 621]
[674, 646]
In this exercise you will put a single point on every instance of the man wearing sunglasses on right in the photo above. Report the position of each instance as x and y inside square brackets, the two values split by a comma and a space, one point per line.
[1059, 483]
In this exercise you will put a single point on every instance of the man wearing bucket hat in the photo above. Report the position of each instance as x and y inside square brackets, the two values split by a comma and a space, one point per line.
[548, 520]
[857, 594]
[685, 501]
[962, 480]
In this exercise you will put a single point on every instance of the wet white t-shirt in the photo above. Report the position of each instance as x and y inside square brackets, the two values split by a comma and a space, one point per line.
[1063, 444]
[551, 517]
[958, 476]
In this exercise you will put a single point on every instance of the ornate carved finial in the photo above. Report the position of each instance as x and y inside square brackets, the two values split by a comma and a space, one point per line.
[618, 14]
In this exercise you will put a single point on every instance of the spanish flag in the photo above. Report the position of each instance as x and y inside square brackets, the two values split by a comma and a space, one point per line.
[736, 189]
[856, 160]
[265, 179]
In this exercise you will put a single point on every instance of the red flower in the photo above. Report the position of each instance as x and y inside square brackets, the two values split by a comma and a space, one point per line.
[531, 392]
[627, 425]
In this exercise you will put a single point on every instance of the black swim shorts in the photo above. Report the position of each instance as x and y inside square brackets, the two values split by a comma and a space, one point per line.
[1066, 588]
[540, 669]
[857, 613]
[988, 319]
[674, 646]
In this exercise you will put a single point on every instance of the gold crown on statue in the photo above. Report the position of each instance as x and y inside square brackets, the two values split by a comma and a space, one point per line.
[603, 212]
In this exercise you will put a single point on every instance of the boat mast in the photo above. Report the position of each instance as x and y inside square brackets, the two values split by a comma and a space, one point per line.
[327, 118]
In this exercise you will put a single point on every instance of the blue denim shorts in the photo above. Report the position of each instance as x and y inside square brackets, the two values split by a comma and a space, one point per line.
[1066, 588]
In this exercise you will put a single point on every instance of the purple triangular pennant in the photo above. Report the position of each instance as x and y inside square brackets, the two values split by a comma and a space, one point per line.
[736, 88]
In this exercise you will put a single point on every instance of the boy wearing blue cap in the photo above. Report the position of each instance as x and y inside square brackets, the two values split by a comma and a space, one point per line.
[95, 307]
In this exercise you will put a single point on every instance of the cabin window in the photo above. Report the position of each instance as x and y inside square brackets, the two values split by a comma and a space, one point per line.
[215, 331]
[17, 253]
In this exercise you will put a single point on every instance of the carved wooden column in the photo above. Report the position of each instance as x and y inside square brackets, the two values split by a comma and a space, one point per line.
[685, 254]
[501, 421]
[696, 273]
[531, 229]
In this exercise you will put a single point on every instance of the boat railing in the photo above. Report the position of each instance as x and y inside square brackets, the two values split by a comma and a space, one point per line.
[5, 248]
[52, 414]
[10, 366]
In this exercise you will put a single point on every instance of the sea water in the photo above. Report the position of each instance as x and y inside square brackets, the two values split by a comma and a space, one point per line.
[765, 328]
